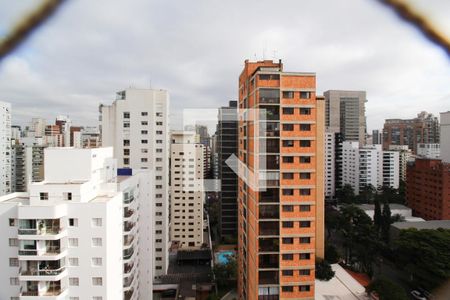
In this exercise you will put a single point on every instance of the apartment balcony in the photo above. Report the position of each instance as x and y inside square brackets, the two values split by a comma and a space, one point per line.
[43, 274]
[269, 261]
[268, 277]
[269, 228]
[269, 96]
[271, 195]
[55, 292]
[269, 113]
[128, 226]
[270, 145]
[269, 129]
[268, 244]
[41, 250]
[128, 268]
[128, 295]
[128, 254]
[128, 213]
[128, 200]
[129, 283]
[128, 241]
[269, 212]
[41, 230]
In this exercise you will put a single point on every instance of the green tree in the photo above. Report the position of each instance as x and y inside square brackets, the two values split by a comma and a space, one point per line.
[331, 254]
[346, 194]
[360, 239]
[324, 271]
[377, 218]
[331, 221]
[367, 194]
[387, 290]
[425, 255]
[386, 222]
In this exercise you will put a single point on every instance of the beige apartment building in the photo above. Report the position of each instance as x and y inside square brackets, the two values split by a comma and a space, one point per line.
[186, 191]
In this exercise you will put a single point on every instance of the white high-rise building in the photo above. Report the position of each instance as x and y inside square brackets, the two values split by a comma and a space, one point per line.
[369, 165]
[37, 127]
[79, 233]
[330, 168]
[391, 169]
[136, 125]
[5, 148]
[186, 191]
[405, 155]
[445, 136]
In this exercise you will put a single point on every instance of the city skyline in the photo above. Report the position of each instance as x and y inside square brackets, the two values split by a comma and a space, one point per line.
[152, 52]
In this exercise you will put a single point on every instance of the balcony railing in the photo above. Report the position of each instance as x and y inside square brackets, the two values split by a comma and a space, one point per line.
[128, 253]
[127, 268]
[128, 240]
[47, 272]
[31, 252]
[128, 281]
[42, 231]
[128, 213]
[128, 226]
[51, 292]
[128, 294]
[128, 200]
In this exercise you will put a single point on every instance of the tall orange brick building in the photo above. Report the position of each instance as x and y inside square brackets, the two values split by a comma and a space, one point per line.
[281, 219]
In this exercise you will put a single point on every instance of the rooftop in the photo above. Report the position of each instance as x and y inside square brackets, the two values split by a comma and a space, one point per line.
[342, 286]
[423, 224]
[391, 206]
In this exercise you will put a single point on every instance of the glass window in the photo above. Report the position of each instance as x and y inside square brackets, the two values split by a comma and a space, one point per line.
[288, 127]
[288, 110]
[288, 224]
[288, 94]
[288, 208]
[305, 127]
[305, 111]
[305, 95]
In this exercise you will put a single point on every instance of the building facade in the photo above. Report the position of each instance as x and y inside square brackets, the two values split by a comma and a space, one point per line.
[281, 194]
[404, 156]
[377, 137]
[5, 148]
[186, 190]
[345, 112]
[77, 235]
[27, 166]
[410, 132]
[369, 166]
[227, 145]
[137, 126]
[330, 164]
[445, 137]
[432, 151]
[428, 189]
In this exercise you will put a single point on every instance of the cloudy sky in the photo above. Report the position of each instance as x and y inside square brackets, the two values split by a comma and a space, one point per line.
[196, 49]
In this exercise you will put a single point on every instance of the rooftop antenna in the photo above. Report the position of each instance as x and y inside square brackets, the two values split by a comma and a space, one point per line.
[264, 49]
[275, 54]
